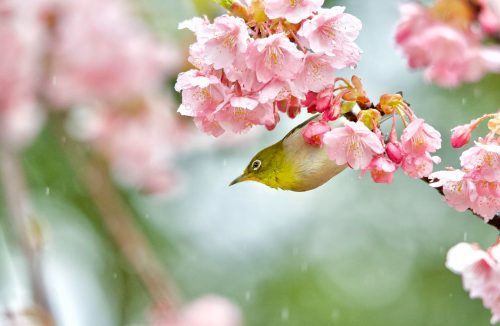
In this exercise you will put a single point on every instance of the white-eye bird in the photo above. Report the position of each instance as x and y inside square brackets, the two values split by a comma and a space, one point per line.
[292, 164]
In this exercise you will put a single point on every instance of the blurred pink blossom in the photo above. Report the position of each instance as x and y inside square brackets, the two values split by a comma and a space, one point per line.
[480, 272]
[101, 51]
[489, 16]
[20, 36]
[449, 55]
[209, 310]
[141, 140]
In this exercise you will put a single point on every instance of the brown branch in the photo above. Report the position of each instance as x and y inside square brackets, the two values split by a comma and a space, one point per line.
[495, 221]
[25, 231]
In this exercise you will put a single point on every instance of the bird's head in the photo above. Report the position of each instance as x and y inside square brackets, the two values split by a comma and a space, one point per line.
[270, 167]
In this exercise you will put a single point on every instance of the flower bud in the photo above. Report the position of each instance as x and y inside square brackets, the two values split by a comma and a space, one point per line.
[394, 152]
[460, 135]
[314, 131]
[324, 100]
[293, 107]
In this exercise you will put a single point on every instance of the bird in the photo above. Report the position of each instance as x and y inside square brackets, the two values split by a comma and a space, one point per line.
[292, 164]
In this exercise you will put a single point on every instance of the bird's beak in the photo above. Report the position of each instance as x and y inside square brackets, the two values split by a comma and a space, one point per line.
[239, 179]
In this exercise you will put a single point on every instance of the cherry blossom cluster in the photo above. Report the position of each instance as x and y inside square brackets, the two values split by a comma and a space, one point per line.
[361, 144]
[476, 185]
[454, 41]
[480, 272]
[104, 70]
[263, 58]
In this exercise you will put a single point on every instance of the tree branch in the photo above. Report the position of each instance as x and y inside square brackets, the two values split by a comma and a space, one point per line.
[495, 221]
[25, 231]
[119, 222]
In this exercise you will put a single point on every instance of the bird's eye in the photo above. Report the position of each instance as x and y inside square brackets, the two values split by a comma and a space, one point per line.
[256, 165]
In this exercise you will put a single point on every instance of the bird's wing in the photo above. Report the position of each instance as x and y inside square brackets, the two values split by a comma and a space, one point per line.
[300, 126]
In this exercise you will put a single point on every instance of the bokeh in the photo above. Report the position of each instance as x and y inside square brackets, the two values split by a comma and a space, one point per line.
[348, 253]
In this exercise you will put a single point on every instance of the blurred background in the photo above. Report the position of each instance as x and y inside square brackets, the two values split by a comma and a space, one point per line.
[351, 252]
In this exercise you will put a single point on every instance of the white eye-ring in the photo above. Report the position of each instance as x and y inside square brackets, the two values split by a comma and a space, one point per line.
[256, 165]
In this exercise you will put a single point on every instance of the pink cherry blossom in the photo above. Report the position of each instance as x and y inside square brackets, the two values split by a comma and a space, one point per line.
[333, 32]
[382, 169]
[480, 272]
[353, 144]
[458, 192]
[201, 94]
[486, 206]
[314, 131]
[483, 161]
[419, 165]
[119, 57]
[317, 73]
[241, 113]
[292, 10]
[223, 41]
[419, 137]
[274, 57]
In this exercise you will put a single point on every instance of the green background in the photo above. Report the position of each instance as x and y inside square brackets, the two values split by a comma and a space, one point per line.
[349, 253]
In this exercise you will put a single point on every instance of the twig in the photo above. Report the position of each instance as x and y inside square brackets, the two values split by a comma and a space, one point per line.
[495, 221]
[14, 190]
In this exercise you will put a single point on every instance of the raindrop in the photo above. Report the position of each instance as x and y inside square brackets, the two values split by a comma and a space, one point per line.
[224, 163]
[285, 314]
[465, 236]
[464, 101]
[441, 250]
[304, 267]
[248, 295]
[47, 191]
[115, 275]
